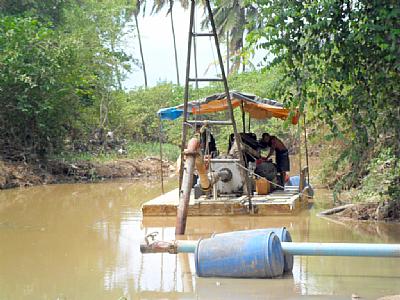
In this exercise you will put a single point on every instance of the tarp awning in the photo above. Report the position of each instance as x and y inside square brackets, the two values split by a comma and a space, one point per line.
[257, 107]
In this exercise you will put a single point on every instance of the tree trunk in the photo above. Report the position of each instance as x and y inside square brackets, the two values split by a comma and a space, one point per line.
[243, 63]
[141, 51]
[116, 69]
[175, 51]
[227, 52]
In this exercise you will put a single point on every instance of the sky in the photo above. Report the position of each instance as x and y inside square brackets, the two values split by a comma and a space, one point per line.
[157, 43]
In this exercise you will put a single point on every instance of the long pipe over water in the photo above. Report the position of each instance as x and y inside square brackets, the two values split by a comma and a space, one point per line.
[342, 249]
[320, 249]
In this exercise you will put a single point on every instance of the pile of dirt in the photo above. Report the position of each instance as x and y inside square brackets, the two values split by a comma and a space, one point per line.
[17, 174]
[373, 211]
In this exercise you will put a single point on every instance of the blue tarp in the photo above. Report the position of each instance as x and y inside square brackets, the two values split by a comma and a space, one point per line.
[170, 113]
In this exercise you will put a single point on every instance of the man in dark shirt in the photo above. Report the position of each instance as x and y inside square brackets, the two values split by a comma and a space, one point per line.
[281, 153]
[207, 141]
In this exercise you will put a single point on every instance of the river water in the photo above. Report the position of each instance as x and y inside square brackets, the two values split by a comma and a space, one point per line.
[81, 241]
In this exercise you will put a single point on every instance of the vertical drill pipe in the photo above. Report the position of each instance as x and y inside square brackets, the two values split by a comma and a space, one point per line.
[342, 249]
[187, 183]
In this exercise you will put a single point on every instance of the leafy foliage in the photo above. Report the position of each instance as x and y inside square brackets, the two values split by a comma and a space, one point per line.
[342, 58]
[38, 82]
[383, 172]
[45, 10]
[54, 80]
[231, 19]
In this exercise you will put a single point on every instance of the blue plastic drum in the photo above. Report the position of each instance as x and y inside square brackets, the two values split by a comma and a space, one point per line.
[281, 232]
[257, 255]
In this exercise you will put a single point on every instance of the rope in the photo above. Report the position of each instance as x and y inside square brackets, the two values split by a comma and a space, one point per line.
[252, 173]
[278, 185]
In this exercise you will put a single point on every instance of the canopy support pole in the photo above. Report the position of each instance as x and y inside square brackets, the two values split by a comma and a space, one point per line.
[243, 116]
[161, 158]
[299, 139]
[306, 148]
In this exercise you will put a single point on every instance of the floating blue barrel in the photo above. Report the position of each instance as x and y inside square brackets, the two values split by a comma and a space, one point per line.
[256, 256]
[282, 234]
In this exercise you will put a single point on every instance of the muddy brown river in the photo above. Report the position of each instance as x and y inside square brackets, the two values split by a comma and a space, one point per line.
[81, 241]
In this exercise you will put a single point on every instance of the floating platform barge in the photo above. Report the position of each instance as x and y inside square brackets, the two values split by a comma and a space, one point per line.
[279, 202]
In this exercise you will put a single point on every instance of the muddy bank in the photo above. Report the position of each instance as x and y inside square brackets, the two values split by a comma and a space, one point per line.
[372, 211]
[20, 174]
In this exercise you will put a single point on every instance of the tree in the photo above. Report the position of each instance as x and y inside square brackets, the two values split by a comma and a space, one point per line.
[157, 7]
[42, 87]
[100, 27]
[54, 79]
[342, 59]
[45, 10]
[137, 6]
[232, 20]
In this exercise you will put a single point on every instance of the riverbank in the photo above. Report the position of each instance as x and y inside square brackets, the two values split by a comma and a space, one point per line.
[388, 211]
[21, 174]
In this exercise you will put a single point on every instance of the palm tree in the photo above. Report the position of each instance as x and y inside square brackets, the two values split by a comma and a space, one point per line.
[157, 6]
[231, 20]
[137, 6]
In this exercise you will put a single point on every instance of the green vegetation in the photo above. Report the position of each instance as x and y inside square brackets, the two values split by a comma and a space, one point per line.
[380, 182]
[341, 59]
[134, 150]
[55, 77]
[62, 64]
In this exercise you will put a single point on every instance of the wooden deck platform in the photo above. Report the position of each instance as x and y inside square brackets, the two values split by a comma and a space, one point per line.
[287, 202]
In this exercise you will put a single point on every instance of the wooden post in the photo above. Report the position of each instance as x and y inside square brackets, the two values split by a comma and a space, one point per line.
[243, 116]
[305, 145]
[299, 139]
[161, 158]
[302, 179]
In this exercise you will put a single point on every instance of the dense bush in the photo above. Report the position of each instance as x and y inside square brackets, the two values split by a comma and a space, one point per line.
[57, 79]
[39, 78]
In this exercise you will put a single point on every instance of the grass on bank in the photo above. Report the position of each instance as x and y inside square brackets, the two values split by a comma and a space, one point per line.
[134, 150]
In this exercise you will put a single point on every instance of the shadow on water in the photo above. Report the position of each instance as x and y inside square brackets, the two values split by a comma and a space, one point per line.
[81, 241]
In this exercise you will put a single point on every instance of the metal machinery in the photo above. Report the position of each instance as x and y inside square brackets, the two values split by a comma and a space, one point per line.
[230, 179]
[222, 175]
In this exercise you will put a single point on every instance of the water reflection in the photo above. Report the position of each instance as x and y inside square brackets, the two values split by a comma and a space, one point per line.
[82, 242]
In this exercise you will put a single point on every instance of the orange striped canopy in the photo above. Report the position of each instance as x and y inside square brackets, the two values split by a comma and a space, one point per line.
[257, 107]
